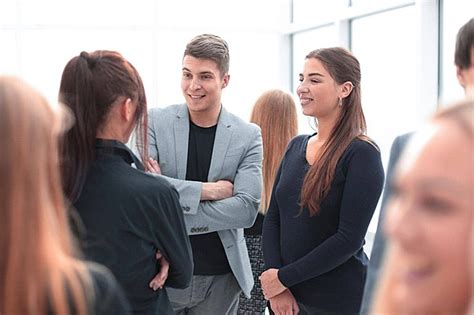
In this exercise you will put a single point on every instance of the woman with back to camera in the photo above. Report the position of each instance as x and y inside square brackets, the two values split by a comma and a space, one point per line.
[275, 113]
[128, 215]
[429, 225]
[39, 269]
[325, 193]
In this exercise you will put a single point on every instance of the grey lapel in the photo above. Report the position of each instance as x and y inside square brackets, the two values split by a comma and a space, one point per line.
[221, 143]
[181, 137]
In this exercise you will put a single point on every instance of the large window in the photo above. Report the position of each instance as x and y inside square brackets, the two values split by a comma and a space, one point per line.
[386, 50]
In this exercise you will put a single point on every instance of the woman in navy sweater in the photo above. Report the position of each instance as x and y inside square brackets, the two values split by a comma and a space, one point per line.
[324, 196]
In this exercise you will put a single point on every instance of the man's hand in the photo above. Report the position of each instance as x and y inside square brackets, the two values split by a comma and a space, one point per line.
[221, 189]
[271, 285]
[284, 304]
[159, 280]
[152, 166]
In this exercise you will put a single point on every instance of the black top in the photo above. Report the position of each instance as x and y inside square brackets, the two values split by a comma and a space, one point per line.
[109, 297]
[257, 227]
[128, 215]
[321, 258]
[208, 252]
[103, 294]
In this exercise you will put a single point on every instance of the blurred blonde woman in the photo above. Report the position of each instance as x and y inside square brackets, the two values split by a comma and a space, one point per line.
[430, 220]
[275, 113]
[39, 271]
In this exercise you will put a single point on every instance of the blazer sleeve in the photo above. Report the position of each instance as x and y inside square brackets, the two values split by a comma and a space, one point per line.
[362, 189]
[152, 137]
[238, 211]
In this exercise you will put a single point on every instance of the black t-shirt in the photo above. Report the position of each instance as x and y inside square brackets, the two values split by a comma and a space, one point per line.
[208, 253]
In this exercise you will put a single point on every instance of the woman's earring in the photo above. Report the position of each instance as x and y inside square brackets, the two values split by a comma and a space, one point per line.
[340, 101]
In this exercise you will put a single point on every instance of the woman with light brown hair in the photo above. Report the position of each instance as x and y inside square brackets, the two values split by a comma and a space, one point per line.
[275, 113]
[39, 269]
[429, 223]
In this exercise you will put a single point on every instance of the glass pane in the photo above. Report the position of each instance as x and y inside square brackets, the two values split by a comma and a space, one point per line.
[379, 3]
[303, 43]
[454, 15]
[305, 11]
[385, 46]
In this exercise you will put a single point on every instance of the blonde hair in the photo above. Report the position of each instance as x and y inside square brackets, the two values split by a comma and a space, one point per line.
[275, 113]
[38, 270]
[462, 115]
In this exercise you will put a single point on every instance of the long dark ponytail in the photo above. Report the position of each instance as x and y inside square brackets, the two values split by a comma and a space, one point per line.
[90, 84]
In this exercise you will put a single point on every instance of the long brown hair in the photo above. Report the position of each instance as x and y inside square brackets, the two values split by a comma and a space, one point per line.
[343, 67]
[90, 84]
[275, 113]
[37, 263]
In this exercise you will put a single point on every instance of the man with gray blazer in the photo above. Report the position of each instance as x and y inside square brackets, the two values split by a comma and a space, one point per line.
[213, 158]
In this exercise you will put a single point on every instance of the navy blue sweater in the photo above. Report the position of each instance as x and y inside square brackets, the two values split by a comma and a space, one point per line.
[320, 258]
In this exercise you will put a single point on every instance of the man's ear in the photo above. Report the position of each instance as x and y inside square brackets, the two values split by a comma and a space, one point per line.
[225, 80]
[460, 76]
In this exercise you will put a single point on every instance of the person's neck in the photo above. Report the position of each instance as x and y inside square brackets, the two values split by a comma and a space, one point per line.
[325, 127]
[110, 133]
[205, 118]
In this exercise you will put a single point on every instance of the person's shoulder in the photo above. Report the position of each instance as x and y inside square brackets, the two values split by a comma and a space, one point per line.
[157, 112]
[141, 183]
[364, 146]
[298, 141]
[401, 140]
[149, 182]
[238, 122]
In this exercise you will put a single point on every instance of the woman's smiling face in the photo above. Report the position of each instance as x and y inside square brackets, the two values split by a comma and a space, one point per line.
[430, 221]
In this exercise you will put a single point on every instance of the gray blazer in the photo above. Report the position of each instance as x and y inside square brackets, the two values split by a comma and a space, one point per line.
[236, 156]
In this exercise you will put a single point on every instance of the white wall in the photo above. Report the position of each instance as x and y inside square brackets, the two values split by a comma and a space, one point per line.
[39, 37]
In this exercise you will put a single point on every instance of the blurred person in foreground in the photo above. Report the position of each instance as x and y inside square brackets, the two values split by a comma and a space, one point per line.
[40, 272]
[429, 223]
[131, 218]
[463, 60]
[275, 113]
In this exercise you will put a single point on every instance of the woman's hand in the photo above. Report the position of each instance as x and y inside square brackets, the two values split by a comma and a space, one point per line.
[159, 280]
[284, 304]
[152, 166]
[271, 285]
